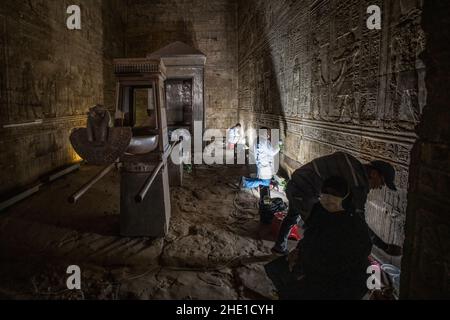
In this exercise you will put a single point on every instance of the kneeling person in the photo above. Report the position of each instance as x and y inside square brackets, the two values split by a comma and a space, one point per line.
[336, 246]
[332, 259]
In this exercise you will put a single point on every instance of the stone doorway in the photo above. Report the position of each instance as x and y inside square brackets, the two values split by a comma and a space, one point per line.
[179, 103]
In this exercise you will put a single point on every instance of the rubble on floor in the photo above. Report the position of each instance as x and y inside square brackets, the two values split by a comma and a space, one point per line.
[212, 251]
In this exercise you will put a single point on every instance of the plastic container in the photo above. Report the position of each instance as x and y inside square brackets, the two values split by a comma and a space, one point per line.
[390, 270]
[396, 283]
[394, 276]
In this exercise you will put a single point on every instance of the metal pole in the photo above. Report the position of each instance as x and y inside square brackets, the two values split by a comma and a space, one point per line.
[141, 196]
[143, 193]
[172, 146]
[76, 196]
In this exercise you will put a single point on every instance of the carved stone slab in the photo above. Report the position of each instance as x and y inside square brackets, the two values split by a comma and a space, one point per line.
[314, 70]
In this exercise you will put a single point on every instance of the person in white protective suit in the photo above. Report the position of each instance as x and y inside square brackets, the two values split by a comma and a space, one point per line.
[265, 154]
[234, 136]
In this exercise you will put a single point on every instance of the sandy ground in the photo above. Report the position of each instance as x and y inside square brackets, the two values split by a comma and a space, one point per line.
[213, 249]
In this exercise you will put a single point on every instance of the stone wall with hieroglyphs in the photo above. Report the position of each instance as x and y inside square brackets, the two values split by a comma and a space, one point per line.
[50, 74]
[313, 69]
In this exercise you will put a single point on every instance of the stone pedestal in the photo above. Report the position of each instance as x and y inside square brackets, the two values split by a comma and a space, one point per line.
[175, 170]
[151, 217]
[175, 174]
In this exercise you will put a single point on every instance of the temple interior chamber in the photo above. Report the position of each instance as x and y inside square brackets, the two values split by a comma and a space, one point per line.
[92, 119]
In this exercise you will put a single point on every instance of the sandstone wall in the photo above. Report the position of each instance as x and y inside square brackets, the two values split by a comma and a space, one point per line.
[207, 25]
[49, 73]
[313, 69]
[114, 32]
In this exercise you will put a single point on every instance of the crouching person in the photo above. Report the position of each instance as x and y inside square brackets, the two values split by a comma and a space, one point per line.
[304, 188]
[332, 259]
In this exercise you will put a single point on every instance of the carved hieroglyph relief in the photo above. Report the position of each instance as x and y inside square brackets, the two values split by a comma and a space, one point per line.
[47, 80]
[45, 75]
[332, 84]
[3, 71]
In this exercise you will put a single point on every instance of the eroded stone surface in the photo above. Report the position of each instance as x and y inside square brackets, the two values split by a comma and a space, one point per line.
[209, 253]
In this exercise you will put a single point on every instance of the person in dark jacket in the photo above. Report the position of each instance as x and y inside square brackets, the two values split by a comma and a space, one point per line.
[304, 188]
[332, 259]
[335, 249]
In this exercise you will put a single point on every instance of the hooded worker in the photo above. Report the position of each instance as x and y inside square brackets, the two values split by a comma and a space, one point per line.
[303, 190]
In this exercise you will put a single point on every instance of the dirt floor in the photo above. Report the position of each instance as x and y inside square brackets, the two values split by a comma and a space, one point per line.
[213, 250]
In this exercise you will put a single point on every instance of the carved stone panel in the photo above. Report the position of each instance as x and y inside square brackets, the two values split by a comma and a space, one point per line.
[4, 107]
[339, 85]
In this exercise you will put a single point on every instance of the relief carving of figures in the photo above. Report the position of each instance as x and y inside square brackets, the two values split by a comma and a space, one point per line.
[342, 70]
[4, 107]
[87, 90]
[405, 104]
[304, 90]
[69, 83]
[295, 86]
[267, 87]
[30, 107]
[319, 81]
[3, 98]
[259, 84]
[280, 101]
[251, 81]
[186, 93]
[48, 91]
[267, 97]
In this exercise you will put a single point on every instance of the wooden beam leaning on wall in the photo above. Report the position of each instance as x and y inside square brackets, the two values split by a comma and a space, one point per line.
[37, 186]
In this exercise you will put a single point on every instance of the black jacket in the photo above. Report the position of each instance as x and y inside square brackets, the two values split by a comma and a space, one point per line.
[306, 182]
[335, 244]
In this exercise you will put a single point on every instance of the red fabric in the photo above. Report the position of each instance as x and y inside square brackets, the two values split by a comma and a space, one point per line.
[295, 235]
[276, 225]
